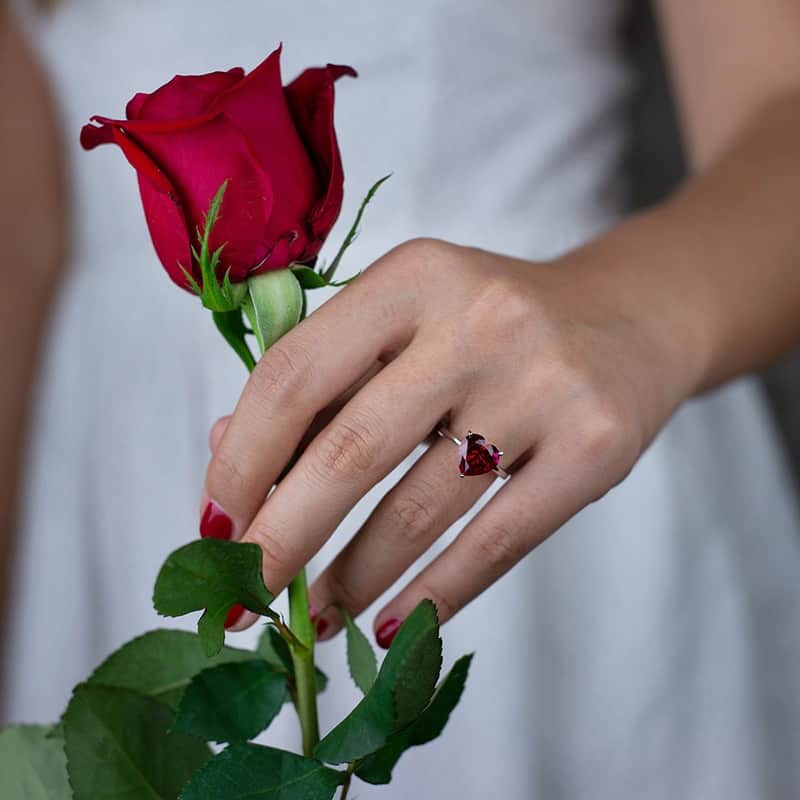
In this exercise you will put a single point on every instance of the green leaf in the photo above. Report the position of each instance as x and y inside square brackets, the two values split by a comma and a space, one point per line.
[253, 772]
[273, 305]
[274, 649]
[214, 575]
[353, 232]
[416, 679]
[360, 655]
[231, 326]
[232, 702]
[117, 745]
[368, 727]
[377, 768]
[161, 664]
[309, 278]
[32, 764]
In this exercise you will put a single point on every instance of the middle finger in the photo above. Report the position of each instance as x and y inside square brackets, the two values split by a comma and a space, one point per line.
[376, 430]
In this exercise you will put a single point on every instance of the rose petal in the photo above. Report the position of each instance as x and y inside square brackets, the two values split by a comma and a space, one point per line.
[256, 106]
[165, 218]
[135, 104]
[153, 126]
[200, 160]
[168, 230]
[311, 101]
[94, 135]
[202, 154]
[184, 96]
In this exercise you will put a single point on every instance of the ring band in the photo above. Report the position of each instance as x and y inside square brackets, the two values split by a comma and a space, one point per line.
[477, 456]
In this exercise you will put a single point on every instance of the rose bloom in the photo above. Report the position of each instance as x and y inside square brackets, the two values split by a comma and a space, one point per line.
[275, 145]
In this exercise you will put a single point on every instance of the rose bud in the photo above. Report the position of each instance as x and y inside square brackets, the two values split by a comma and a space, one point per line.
[276, 146]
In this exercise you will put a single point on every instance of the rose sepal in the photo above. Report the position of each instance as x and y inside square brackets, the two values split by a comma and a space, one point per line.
[352, 234]
[215, 297]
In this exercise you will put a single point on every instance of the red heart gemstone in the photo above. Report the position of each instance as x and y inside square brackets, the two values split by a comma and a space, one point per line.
[477, 456]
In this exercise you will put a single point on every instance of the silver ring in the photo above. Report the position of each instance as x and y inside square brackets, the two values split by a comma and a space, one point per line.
[476, 455]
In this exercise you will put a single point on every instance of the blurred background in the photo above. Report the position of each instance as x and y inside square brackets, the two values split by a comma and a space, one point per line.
[105, 482]
[656, 166]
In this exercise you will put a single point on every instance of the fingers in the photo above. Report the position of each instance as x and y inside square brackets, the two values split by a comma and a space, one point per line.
[320, 421]
[299, 376]
[240, 618]
[215, 434]
[535, 502]
[379, 427]
[407, 521]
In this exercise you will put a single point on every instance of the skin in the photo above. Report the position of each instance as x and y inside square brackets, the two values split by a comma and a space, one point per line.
[32, 229]
[572, 366]
[589, 357]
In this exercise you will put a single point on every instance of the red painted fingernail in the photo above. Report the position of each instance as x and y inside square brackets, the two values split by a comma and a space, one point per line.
[215, 524]
[322, 626]
[387, 632]
[234, 615]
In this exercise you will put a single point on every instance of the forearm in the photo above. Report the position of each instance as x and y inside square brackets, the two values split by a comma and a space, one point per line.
[714, 272]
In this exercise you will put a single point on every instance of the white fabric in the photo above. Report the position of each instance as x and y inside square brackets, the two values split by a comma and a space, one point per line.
[650, 649]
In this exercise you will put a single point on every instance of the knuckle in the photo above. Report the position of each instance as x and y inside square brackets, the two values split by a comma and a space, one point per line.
[346, 449]
[422, 247]
[226, 477]
[518, 323]
[412, 515]
[419, 259]
[446, 607]
[279, 558]
[339, 590]
[603, 435]
[498, 545]
[283, 372]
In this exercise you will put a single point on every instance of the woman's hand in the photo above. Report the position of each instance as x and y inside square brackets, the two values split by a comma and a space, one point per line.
[543, 359]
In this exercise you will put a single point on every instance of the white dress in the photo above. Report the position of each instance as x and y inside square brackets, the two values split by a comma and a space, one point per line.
[650, 650]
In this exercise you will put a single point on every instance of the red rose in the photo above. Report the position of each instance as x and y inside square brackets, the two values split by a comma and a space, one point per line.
[276, 146]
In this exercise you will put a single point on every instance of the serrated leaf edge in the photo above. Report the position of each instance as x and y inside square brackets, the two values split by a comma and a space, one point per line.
[352, 629]
[237, 745]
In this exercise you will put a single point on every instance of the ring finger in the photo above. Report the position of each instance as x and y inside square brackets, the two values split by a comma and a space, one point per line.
[409, 519]
[375, 430]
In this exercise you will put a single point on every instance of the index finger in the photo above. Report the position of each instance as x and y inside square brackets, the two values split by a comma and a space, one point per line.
[295, 379]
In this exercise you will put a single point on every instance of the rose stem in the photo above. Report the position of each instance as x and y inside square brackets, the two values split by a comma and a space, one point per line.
[303, 658]
[347, 781]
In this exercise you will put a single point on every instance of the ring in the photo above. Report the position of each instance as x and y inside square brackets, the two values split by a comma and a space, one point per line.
[476, 455]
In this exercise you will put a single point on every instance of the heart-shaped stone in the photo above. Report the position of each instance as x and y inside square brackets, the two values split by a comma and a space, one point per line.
[476, 455]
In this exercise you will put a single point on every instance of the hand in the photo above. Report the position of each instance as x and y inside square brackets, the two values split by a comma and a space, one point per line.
[543, 359]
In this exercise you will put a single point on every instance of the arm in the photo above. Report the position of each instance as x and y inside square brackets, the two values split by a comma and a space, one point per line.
[725, 251]
[572, 367]
[32, 233]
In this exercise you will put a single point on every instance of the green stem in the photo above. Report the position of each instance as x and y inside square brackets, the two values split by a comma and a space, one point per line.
[274, 305]
[303, 658]
[347, 781]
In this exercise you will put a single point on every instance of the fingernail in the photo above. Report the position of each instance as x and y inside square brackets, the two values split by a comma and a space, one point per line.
[215, 523]
[234, 615]
[320, 625]
[387, 632]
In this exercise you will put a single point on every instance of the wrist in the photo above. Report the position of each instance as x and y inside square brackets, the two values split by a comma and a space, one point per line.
[636, 278]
